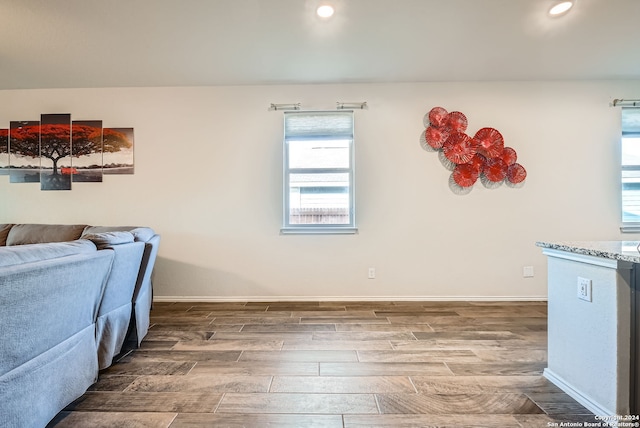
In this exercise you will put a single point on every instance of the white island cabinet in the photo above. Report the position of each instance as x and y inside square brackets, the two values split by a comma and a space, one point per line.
[592, 344]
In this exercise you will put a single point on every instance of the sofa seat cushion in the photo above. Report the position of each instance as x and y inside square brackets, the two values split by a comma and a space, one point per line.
[16, 255]
[21, 234]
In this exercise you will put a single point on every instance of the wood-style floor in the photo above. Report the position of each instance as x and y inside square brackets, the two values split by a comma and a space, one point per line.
[333, 364]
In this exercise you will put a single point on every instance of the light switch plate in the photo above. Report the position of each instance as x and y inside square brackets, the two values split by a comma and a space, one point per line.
[584, 289]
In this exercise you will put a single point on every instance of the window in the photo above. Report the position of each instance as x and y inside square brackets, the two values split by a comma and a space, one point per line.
[630, 150]
[318, 172]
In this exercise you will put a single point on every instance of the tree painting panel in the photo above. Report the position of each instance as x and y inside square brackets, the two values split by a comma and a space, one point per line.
[4, 152]
[117, 150]
[55, 152]
[86, 146]
[24, 151]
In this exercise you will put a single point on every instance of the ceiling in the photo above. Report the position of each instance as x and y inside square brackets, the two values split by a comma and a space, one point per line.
[123, 43]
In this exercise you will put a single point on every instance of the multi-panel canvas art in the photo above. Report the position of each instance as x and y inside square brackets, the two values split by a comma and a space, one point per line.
[24, 152]
[86, 140]
[4, 152]
[117, 144]
[57, 151]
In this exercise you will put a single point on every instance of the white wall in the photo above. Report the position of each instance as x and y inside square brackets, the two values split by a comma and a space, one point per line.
[208, 179]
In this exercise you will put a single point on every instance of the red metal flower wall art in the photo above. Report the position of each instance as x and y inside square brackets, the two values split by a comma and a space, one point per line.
[482, 157]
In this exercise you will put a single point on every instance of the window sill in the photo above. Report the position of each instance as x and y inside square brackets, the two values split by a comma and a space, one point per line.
[318, 230]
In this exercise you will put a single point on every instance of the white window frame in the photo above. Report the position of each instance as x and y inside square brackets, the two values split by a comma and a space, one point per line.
[630, 128]
[311, 132]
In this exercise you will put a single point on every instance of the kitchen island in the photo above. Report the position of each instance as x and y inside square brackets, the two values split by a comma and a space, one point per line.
[592, 343]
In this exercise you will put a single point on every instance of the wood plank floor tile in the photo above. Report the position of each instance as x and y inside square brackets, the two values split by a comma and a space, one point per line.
[500, 311]
[113, 419]
[431, 421]
[342, 385]
[197, 327]
[456, 404]
[383, 327]
[251, 368]
[148, 345]
[287, 328]
[276, 336]
[160, 335]
[265, 320]
[526, 384]
[514, 320]
[201, 383]
[229, 305]
[558, 404]
[340, 314]
[228, 345]
[142, 356]
[423, 319]
[112, 383]
[497, 369]
[446, 344]
[300, 356]
[336, 345]
[368, 335]
[384, 369]
[150, 368]
[347, 319]
[447, 384]
[229, 420]
[181, 318]
[174, 402]
[513, 355]
[278, 305]
[425, 356]
[299, 403]
[466, 335]
[425, 313]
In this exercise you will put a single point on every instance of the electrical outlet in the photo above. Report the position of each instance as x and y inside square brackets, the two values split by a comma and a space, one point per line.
[372, 273]
[584, 289]
[527, 272]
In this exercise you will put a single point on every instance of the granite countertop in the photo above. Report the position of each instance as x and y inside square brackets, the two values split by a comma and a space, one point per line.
[616, 250]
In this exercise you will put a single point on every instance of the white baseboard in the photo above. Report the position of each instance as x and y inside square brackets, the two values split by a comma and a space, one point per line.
[581, 398]
[350, 298]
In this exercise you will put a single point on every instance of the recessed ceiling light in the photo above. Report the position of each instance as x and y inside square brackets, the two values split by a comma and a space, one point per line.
[325, 11]
[560, 8]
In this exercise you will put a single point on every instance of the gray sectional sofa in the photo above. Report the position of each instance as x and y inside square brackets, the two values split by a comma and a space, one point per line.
[72, 297]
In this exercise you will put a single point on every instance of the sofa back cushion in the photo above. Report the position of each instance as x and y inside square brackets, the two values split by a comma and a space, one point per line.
[4, 231]
[140, 234]
[21, 234]
[108, 239]
[21, 254]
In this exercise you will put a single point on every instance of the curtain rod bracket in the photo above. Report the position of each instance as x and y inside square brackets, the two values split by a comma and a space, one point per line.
[625, 103]
[348, 106]
[292, 106]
